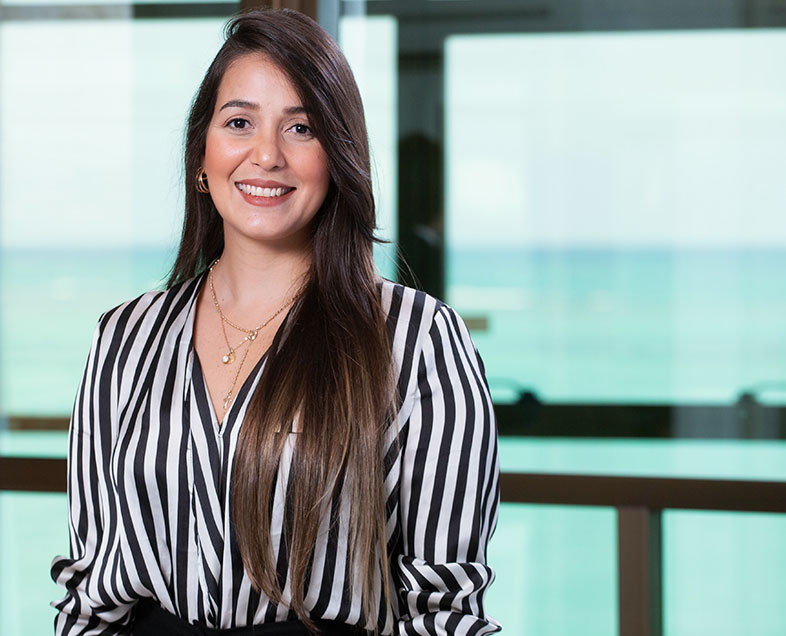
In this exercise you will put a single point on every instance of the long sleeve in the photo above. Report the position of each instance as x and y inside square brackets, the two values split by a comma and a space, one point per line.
[449, 488]
[90, 605]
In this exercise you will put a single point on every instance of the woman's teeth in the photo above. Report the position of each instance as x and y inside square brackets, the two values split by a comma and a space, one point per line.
[256, 191]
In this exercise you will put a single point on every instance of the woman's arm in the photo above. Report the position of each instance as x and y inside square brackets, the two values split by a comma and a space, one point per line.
[92, 604]
[449, 489]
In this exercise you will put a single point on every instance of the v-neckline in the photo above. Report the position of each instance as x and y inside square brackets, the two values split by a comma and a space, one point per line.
[196, 364]
[196, 368]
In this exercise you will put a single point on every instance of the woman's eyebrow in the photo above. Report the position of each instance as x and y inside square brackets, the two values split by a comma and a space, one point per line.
[241, 103]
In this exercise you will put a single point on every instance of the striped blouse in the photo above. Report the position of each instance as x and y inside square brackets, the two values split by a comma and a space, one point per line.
[150, 472]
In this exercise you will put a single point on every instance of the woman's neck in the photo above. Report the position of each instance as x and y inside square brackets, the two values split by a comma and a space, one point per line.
[251, 277]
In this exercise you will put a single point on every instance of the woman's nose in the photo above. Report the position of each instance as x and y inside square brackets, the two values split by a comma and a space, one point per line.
[267, 152]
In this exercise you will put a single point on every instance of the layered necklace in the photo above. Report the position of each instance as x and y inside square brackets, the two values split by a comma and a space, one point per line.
[248, 339]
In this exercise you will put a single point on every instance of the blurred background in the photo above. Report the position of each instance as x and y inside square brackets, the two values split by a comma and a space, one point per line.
[597, 186]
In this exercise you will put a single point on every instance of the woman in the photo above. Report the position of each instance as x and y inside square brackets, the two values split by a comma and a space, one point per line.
[361, 489]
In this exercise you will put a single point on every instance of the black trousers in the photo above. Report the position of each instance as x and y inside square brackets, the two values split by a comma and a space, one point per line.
[152, 620]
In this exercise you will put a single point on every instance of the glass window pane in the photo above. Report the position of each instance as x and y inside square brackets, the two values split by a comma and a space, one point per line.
[689, 458]
[613, 210]
[556, 571]
[33, 529]
[91, 120]
[370, 46]
[723, 574]
[33, 443]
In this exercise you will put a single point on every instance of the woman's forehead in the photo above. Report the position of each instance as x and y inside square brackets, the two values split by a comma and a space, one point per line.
[254, 80]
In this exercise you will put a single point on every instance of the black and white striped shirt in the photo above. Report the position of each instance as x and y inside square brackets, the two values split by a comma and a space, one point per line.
[150, 471]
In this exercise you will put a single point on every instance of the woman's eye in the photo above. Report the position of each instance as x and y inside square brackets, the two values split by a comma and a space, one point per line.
[238, 123]
[302, 129]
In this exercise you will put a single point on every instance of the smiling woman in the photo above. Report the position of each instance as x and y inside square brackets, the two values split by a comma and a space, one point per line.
[281, 442]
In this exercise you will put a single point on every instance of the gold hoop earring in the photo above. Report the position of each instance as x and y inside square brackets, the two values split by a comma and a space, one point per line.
[201, 182]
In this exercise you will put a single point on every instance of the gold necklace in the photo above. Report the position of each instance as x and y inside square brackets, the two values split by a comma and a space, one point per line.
[251, 334]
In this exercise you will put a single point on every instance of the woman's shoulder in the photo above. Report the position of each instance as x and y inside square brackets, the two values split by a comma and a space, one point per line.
[415, 317]
[404, 304]
[151, 309]
[432, 350]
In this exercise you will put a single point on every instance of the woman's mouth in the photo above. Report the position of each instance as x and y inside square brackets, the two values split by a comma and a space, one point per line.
[268, 193]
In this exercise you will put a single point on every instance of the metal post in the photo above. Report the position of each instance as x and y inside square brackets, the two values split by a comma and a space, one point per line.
[640, 558]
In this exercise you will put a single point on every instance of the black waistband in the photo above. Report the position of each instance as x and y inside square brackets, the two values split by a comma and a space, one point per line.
[151, 620]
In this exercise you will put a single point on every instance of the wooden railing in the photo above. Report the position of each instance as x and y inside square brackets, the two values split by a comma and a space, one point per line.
[639, 502]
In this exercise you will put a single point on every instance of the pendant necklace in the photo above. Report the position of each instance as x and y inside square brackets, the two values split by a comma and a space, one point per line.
[251, 334]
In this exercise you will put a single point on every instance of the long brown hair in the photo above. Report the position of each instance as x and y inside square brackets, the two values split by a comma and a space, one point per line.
[331, 372]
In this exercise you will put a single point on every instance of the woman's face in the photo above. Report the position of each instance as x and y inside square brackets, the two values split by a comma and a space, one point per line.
[268, 175]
